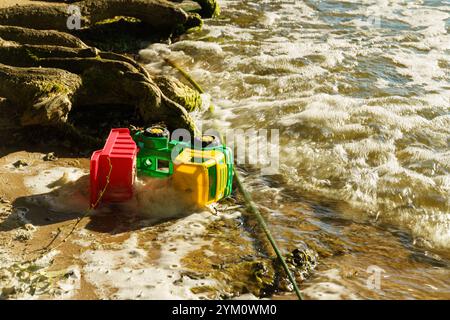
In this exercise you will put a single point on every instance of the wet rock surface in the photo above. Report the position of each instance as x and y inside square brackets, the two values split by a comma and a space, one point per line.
[48, 70]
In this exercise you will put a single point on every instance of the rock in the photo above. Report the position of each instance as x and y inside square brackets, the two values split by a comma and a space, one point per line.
[23, 235]
[5, 212]
[20, 164]
[302, 262]
[5, 274]
[8, 291]
[73, 163]
[50, 157]
[4, 200]
[256, 277]
[46, 74]
[194, 22]
[48, 93]
[158, 14]
[39, 37]
[29, 227]
[209, 8]
[179, 92]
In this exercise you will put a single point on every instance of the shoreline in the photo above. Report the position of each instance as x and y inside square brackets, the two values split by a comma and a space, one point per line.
[363, 169]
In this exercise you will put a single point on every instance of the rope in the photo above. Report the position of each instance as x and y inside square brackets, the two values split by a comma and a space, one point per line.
[250, 204]
[91, 207]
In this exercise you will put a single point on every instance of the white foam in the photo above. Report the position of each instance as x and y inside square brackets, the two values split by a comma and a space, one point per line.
[329, 288]
[63, 189]
[42, 182]
[188, 46]
[366, 107]
[126, 271]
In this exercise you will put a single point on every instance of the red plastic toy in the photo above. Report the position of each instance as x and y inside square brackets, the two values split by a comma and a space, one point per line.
[121, 150]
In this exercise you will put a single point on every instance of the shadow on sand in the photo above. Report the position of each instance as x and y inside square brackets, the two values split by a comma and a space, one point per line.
[154, 202]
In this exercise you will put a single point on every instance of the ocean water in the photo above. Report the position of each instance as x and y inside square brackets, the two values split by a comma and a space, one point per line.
[360, 93]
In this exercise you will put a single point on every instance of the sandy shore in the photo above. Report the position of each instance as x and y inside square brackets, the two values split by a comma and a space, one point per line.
[153, 247]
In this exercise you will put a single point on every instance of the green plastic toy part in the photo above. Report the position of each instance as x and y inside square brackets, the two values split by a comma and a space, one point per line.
[155, 157]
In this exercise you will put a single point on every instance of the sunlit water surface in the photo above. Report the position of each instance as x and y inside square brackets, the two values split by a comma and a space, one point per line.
[360, 92]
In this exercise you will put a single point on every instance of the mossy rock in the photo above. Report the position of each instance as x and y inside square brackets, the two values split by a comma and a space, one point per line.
[184, 95]
[255, 277]
[209, 8]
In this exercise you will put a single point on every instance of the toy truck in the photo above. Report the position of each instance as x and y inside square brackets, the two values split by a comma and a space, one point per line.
[202, 170]
[205, 171]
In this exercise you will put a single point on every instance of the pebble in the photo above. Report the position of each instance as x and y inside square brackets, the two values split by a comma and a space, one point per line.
[22, 235]
[30, 227]
[50, 157]
[5, 274]
[20, 164]
[7, 291]
[74, 163]
[4, 200]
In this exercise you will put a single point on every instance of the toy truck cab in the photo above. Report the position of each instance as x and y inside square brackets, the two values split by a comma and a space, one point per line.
[155, 156]
[202, 174]
[214, 143]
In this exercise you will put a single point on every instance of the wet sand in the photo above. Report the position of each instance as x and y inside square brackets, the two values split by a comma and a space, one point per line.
[146, 249]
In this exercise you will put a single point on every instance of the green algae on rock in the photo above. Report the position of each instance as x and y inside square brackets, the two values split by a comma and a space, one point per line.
[71, 74]
[209, 8]
[179, 92]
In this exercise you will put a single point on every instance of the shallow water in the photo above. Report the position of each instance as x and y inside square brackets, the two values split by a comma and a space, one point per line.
[360, 92]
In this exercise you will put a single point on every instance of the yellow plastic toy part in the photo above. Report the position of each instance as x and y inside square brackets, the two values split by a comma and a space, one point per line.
[201, 175]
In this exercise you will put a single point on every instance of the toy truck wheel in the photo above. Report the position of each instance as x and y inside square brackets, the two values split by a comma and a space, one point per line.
[156, 132]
